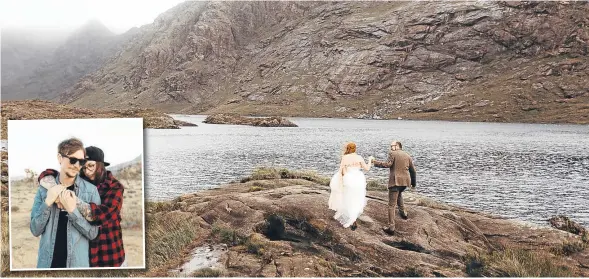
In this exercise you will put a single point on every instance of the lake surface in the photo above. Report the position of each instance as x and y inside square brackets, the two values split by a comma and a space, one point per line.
[529, 172]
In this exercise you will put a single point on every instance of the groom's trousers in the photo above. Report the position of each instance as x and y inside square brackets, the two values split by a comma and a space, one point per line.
[395, 198]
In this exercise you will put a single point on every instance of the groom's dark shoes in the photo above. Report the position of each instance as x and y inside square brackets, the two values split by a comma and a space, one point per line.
[388, 230]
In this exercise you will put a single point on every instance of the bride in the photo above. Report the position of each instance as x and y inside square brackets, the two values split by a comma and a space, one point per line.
[348, 188]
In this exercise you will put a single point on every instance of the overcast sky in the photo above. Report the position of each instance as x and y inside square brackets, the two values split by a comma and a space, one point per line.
[33, 143]
[117, 15]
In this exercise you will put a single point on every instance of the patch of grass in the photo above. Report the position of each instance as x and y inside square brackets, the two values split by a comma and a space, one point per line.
[254, 247]
[263, 174]
[167, 235]
[274, 173]
[292, 213]
[231, 237]
[5, 256]
[570, 247]
[3, 191]
[514, 263]
[157, 206]
[227, 235]
[427, 202]
[166, 206]
[413, 272]
[255, 189]
[585, 237]
[332, 268]
[206, 272]
[374, 185]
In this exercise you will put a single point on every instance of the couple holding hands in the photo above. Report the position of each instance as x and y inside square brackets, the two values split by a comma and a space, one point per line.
[348, 184]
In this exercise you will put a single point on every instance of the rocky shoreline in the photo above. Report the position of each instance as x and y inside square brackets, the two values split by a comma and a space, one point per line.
[276, 223]
[37, 109]
[234, 119]
[571, 112]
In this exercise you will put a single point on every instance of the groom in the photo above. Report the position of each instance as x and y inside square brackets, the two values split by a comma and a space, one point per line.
[402, 174]
[65, 234]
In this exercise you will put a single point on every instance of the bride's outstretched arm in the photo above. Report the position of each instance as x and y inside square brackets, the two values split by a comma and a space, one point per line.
[365, 166]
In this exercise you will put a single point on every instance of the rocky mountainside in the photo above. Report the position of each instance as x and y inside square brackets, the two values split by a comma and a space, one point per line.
[188, 51]
[490, 61]
[83, 52]
[483, 61]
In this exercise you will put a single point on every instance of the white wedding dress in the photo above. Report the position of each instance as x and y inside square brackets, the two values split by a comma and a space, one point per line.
[348, 195]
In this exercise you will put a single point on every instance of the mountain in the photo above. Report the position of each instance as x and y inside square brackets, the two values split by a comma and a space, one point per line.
[135, 163]
[82, 52]
[23, 50]
[482, 61]
[188, 51]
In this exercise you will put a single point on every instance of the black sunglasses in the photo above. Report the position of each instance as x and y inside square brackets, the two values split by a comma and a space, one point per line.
[73, 160]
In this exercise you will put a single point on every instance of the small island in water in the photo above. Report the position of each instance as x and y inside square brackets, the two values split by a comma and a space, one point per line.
[234, 119]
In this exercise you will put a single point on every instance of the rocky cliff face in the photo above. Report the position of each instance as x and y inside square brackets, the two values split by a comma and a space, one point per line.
[490, 61]
[175, 62]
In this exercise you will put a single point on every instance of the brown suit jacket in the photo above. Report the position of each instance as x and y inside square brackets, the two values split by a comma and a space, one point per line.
[402, 169]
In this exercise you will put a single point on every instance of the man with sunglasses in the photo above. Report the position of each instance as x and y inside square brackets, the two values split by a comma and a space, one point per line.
[107, 249]
[65, 233]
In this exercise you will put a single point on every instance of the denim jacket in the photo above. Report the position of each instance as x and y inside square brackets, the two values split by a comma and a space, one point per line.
[44, 221]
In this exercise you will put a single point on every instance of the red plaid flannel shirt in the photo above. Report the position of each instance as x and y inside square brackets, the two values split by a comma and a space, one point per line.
[106, 250]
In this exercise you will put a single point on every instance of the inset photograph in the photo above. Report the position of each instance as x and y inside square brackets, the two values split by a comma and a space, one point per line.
[76, 193]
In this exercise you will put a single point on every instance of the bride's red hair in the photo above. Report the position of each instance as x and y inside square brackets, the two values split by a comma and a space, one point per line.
[350, 148]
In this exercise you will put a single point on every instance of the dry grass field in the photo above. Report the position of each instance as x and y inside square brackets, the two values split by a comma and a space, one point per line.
[25, 245]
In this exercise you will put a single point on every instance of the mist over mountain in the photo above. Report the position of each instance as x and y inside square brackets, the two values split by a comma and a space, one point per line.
[23, 50]
[483, 61]
[41, 68]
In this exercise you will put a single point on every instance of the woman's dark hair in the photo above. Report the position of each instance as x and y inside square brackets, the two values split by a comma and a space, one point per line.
[100, 174]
